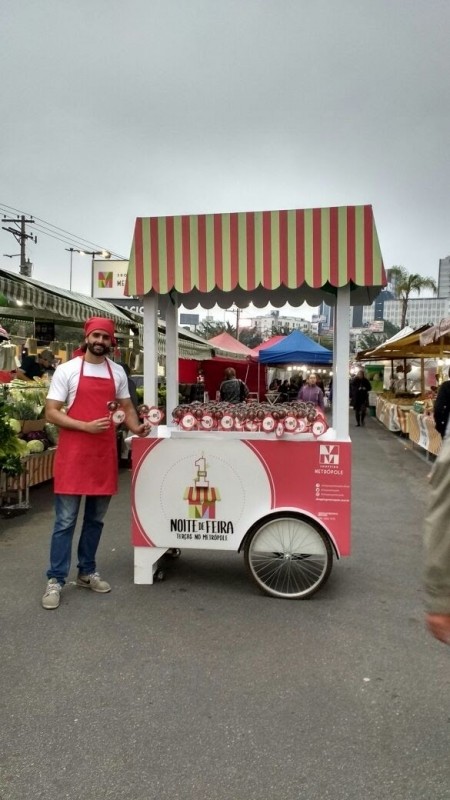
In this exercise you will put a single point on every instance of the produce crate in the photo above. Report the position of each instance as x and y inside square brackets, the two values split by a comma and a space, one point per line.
[14, 491]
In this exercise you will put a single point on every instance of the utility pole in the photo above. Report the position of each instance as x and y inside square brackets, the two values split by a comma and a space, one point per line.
[21, 236]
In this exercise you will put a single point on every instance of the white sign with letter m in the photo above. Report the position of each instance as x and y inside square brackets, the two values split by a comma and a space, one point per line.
[329, 454]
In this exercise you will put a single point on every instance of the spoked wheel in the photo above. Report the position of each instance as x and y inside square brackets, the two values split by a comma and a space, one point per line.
[288, 556]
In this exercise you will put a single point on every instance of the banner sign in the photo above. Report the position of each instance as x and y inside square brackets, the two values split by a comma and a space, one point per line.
[108, 279]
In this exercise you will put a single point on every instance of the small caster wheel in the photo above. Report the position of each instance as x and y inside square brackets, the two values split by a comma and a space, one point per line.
[173, 552]
[159, 575]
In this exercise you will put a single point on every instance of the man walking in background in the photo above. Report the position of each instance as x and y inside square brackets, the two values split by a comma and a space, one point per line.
[359, 390]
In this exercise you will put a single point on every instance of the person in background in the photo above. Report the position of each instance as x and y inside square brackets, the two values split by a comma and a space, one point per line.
[294, 388]
[131, 384]
[320, 384]
[124, 447]
[311, 393]
[441, 409]
[35, 367]
[86, 461]
[284, 392]
[437, 548]
[232, 390]
[360, 388]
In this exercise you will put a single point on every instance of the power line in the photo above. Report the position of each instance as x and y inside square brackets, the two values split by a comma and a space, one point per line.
[48, 229]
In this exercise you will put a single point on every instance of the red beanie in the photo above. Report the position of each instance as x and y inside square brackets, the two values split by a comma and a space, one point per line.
[100, 324]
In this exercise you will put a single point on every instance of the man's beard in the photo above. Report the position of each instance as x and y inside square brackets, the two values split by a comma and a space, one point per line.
[98, 349]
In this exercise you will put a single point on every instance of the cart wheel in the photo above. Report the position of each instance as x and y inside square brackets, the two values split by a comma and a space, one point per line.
[173, 552]
[288, 556]
[159, 575]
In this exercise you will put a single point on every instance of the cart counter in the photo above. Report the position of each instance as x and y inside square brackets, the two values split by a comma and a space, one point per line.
[286, 497]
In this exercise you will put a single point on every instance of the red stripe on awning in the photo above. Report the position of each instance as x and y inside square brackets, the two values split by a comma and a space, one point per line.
[368, 243]
[283, 226]
[154, 252]
[139, 256]
[300, 245]
[170, 249]
[234, 250]
[202, 273]
[267, 248]
[218, 249]
[317, 247]
[250, 224]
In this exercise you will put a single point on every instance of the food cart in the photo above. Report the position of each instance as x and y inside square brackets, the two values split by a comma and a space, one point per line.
[282, 497]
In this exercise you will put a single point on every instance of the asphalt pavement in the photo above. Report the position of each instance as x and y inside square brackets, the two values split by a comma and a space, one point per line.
[202, 687]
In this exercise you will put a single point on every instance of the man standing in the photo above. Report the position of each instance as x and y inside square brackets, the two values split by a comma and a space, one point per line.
[86, 461]
[360, 388]
[311, 393]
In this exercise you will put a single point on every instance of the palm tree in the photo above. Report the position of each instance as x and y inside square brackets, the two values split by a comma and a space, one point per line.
[405, 284]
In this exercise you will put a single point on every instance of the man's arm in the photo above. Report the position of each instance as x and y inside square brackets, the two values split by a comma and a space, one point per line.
[131, 418]
[20, 374]
[54, 414]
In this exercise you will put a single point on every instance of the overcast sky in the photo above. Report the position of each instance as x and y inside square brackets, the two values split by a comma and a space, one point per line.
[112, 110]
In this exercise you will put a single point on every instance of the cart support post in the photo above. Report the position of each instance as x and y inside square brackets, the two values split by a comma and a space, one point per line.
[151, 349]
[341, 356]
[171, 353]
[146, 563]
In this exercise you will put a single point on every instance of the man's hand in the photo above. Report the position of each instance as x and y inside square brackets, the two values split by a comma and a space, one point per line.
[98, 425]
[143, 430]
[439, 626]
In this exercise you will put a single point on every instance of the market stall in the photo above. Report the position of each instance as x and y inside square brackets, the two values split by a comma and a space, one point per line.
[407, 406]
[279, 492]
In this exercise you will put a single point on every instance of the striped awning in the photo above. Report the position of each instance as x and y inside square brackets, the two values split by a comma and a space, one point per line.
[60, 305]
[187, 348]
[195, 495]
[266, 256]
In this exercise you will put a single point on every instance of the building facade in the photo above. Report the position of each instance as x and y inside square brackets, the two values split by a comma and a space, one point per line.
[444, 277]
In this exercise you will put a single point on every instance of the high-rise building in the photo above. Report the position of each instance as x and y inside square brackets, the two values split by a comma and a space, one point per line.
[444, 277]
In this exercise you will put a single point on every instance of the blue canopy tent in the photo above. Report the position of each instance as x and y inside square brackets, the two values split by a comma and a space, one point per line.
[296, 349]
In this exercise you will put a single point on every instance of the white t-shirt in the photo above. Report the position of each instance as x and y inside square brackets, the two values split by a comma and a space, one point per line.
[64, 384]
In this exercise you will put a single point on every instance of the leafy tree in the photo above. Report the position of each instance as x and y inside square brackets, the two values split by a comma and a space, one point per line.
[370, 340]
[390, 329]
[406, 284]
[250, 337]
[210, 328]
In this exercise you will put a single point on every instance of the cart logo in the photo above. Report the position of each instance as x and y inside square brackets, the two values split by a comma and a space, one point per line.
[201, 522]
[329, 454]
[201, 497]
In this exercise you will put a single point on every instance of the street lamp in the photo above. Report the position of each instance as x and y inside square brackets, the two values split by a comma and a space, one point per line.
[103, 253]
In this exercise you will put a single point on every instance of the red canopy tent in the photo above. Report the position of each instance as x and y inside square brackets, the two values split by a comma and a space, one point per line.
[273, 340]
[232, 353]
[224, 341]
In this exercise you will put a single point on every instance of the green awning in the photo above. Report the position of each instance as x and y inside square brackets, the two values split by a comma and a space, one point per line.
[52, 302]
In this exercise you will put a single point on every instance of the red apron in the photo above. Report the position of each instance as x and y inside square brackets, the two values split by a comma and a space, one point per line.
[87, 463]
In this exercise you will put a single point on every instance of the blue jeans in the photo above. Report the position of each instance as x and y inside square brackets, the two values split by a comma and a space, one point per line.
[66, 508]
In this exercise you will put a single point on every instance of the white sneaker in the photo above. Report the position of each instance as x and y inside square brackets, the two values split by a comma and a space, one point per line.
[52, 595]
[93, 582]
